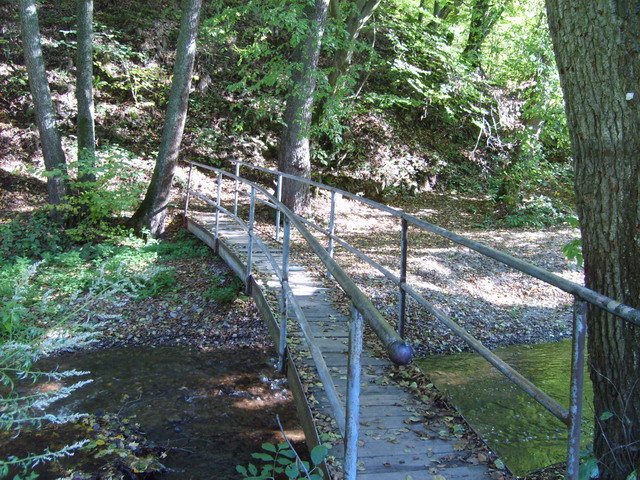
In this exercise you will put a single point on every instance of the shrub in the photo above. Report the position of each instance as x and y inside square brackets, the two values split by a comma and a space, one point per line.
[282, 461]
[223, 292]
[30, 235]
[162, 281]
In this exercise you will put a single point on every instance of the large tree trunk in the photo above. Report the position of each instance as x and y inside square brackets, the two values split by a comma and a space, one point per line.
[360, 14]
[294, 157]
[153, 210]
[84, 92]
[598, 56]
[54, 158]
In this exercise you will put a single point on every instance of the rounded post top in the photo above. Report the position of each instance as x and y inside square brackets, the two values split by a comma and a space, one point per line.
[400, 352]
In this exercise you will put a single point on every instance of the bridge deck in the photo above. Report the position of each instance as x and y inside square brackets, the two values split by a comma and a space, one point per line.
[392, 446]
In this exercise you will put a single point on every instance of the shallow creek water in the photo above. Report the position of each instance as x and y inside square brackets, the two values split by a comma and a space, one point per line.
[213, 409]
[518, 429]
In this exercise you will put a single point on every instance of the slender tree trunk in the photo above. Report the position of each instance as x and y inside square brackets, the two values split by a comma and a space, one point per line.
[294, 156]
[446, 9]
[442, 10]
[334, 9]
[360, 14]
[54, 157]
[152, 212]
[84, 92]
[484, 15]
[598, 55]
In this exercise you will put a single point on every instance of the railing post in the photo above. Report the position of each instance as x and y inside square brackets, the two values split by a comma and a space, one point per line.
[282, 346]
[402, 307]
[218, 202]
[577, 384]
[279, 197]
[353, 396]
[235, 191]
[332, 223]
[186, 200]
[252, 213]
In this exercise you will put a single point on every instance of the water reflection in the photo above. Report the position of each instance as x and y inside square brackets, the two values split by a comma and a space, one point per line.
[212, 409]
[521, 431]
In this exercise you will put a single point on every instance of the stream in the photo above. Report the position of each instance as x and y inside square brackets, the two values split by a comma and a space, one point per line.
[518, 429]
[211, 410]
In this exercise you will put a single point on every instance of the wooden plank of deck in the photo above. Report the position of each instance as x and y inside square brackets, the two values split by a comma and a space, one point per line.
[391, 447]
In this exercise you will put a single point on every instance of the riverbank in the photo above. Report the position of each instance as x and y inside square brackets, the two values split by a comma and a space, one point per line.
[178, 360]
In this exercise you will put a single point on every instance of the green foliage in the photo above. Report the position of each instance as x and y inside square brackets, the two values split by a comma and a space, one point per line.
[117, 188]
[30, 235]
[282, 461]
[537, 211]
[262, 34]
[15, 296]
[162, 281]
[573, 250]
[222, 291]
[419, 69]
[588, 465]
[520, 58]
[533, 191]
[125, 70]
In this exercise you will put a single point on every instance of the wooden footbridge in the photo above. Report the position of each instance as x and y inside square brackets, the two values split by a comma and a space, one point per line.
[375, 419]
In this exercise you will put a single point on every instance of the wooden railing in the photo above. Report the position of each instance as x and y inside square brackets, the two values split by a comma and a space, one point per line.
[398, 349]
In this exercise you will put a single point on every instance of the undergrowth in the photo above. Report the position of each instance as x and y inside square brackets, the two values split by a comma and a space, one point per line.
[222, 290]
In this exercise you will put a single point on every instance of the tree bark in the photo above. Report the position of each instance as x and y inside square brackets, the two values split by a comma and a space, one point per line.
[598, 55]
[54, 157]
[84, 92]
[152, 212]
[294, 156]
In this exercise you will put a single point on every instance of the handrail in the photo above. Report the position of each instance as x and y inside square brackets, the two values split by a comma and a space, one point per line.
[398, 350]
[602, 301]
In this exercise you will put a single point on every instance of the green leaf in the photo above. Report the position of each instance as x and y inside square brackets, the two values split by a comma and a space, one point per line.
[589, 469]
[606, 415]
[288, 453]
[241, 470]
[262, 456]
[318, 454]
[269, 447]
[633, 475]
[292, 471]
[253, 470]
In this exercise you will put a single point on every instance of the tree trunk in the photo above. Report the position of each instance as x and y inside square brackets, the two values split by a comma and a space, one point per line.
[360, 14]
[294, 144]
[54, 158]
[84, 92]
[152, 212]
[598, 55]
[484, 15]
